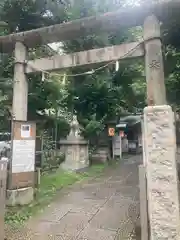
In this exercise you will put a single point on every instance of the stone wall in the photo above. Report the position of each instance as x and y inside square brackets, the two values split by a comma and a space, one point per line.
[101, 155]
[52, 159]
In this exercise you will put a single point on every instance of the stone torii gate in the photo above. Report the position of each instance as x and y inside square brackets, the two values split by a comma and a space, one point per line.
[159, 134]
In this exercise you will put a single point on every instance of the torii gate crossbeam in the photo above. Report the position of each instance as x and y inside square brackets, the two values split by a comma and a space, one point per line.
[108, 22]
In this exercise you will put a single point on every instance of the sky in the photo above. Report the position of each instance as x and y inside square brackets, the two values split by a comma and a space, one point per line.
[56, 47]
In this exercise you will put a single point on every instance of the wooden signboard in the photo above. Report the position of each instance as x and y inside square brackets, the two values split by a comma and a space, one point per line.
[111, 132]
[23, 154]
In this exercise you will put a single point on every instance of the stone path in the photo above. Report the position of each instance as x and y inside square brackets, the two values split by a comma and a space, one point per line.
[103, 208]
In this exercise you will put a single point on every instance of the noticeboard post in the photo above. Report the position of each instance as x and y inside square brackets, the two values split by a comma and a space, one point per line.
[116, 142]
[23, 154]
[117, 146]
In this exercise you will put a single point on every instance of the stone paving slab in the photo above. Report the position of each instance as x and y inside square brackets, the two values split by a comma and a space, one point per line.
[89, 207]
[91, 233]
[102, 219]
[69, 226]
[55, 214]
[104, 208]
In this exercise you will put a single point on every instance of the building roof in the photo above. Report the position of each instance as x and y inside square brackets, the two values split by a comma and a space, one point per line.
[129, 120]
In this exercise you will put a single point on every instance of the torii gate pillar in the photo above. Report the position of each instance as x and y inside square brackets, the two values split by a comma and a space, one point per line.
[159, 143]
[20, 85]
[21, 175]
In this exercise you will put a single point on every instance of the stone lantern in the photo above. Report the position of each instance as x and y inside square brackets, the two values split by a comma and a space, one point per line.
[76, 149]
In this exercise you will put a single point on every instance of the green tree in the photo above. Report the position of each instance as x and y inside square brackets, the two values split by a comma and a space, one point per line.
[22, 15]
[105, 94]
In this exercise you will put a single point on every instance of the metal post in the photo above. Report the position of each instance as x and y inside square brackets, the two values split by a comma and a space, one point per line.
[113, 147]
[3, 179]
[143, 203]
[120, 147]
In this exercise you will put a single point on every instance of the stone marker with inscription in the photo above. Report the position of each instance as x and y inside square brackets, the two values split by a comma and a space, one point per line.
[162, 182]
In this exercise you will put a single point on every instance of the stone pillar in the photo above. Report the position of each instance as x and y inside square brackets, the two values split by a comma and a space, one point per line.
[161, 173]
[19, 191]
[20, 87]
[156, 93]
[159, 143]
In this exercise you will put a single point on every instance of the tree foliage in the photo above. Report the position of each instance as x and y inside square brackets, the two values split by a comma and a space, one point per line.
[107, 93]
[22, 15]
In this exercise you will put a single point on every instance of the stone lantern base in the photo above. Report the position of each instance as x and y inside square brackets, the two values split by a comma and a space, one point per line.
[76, 154]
